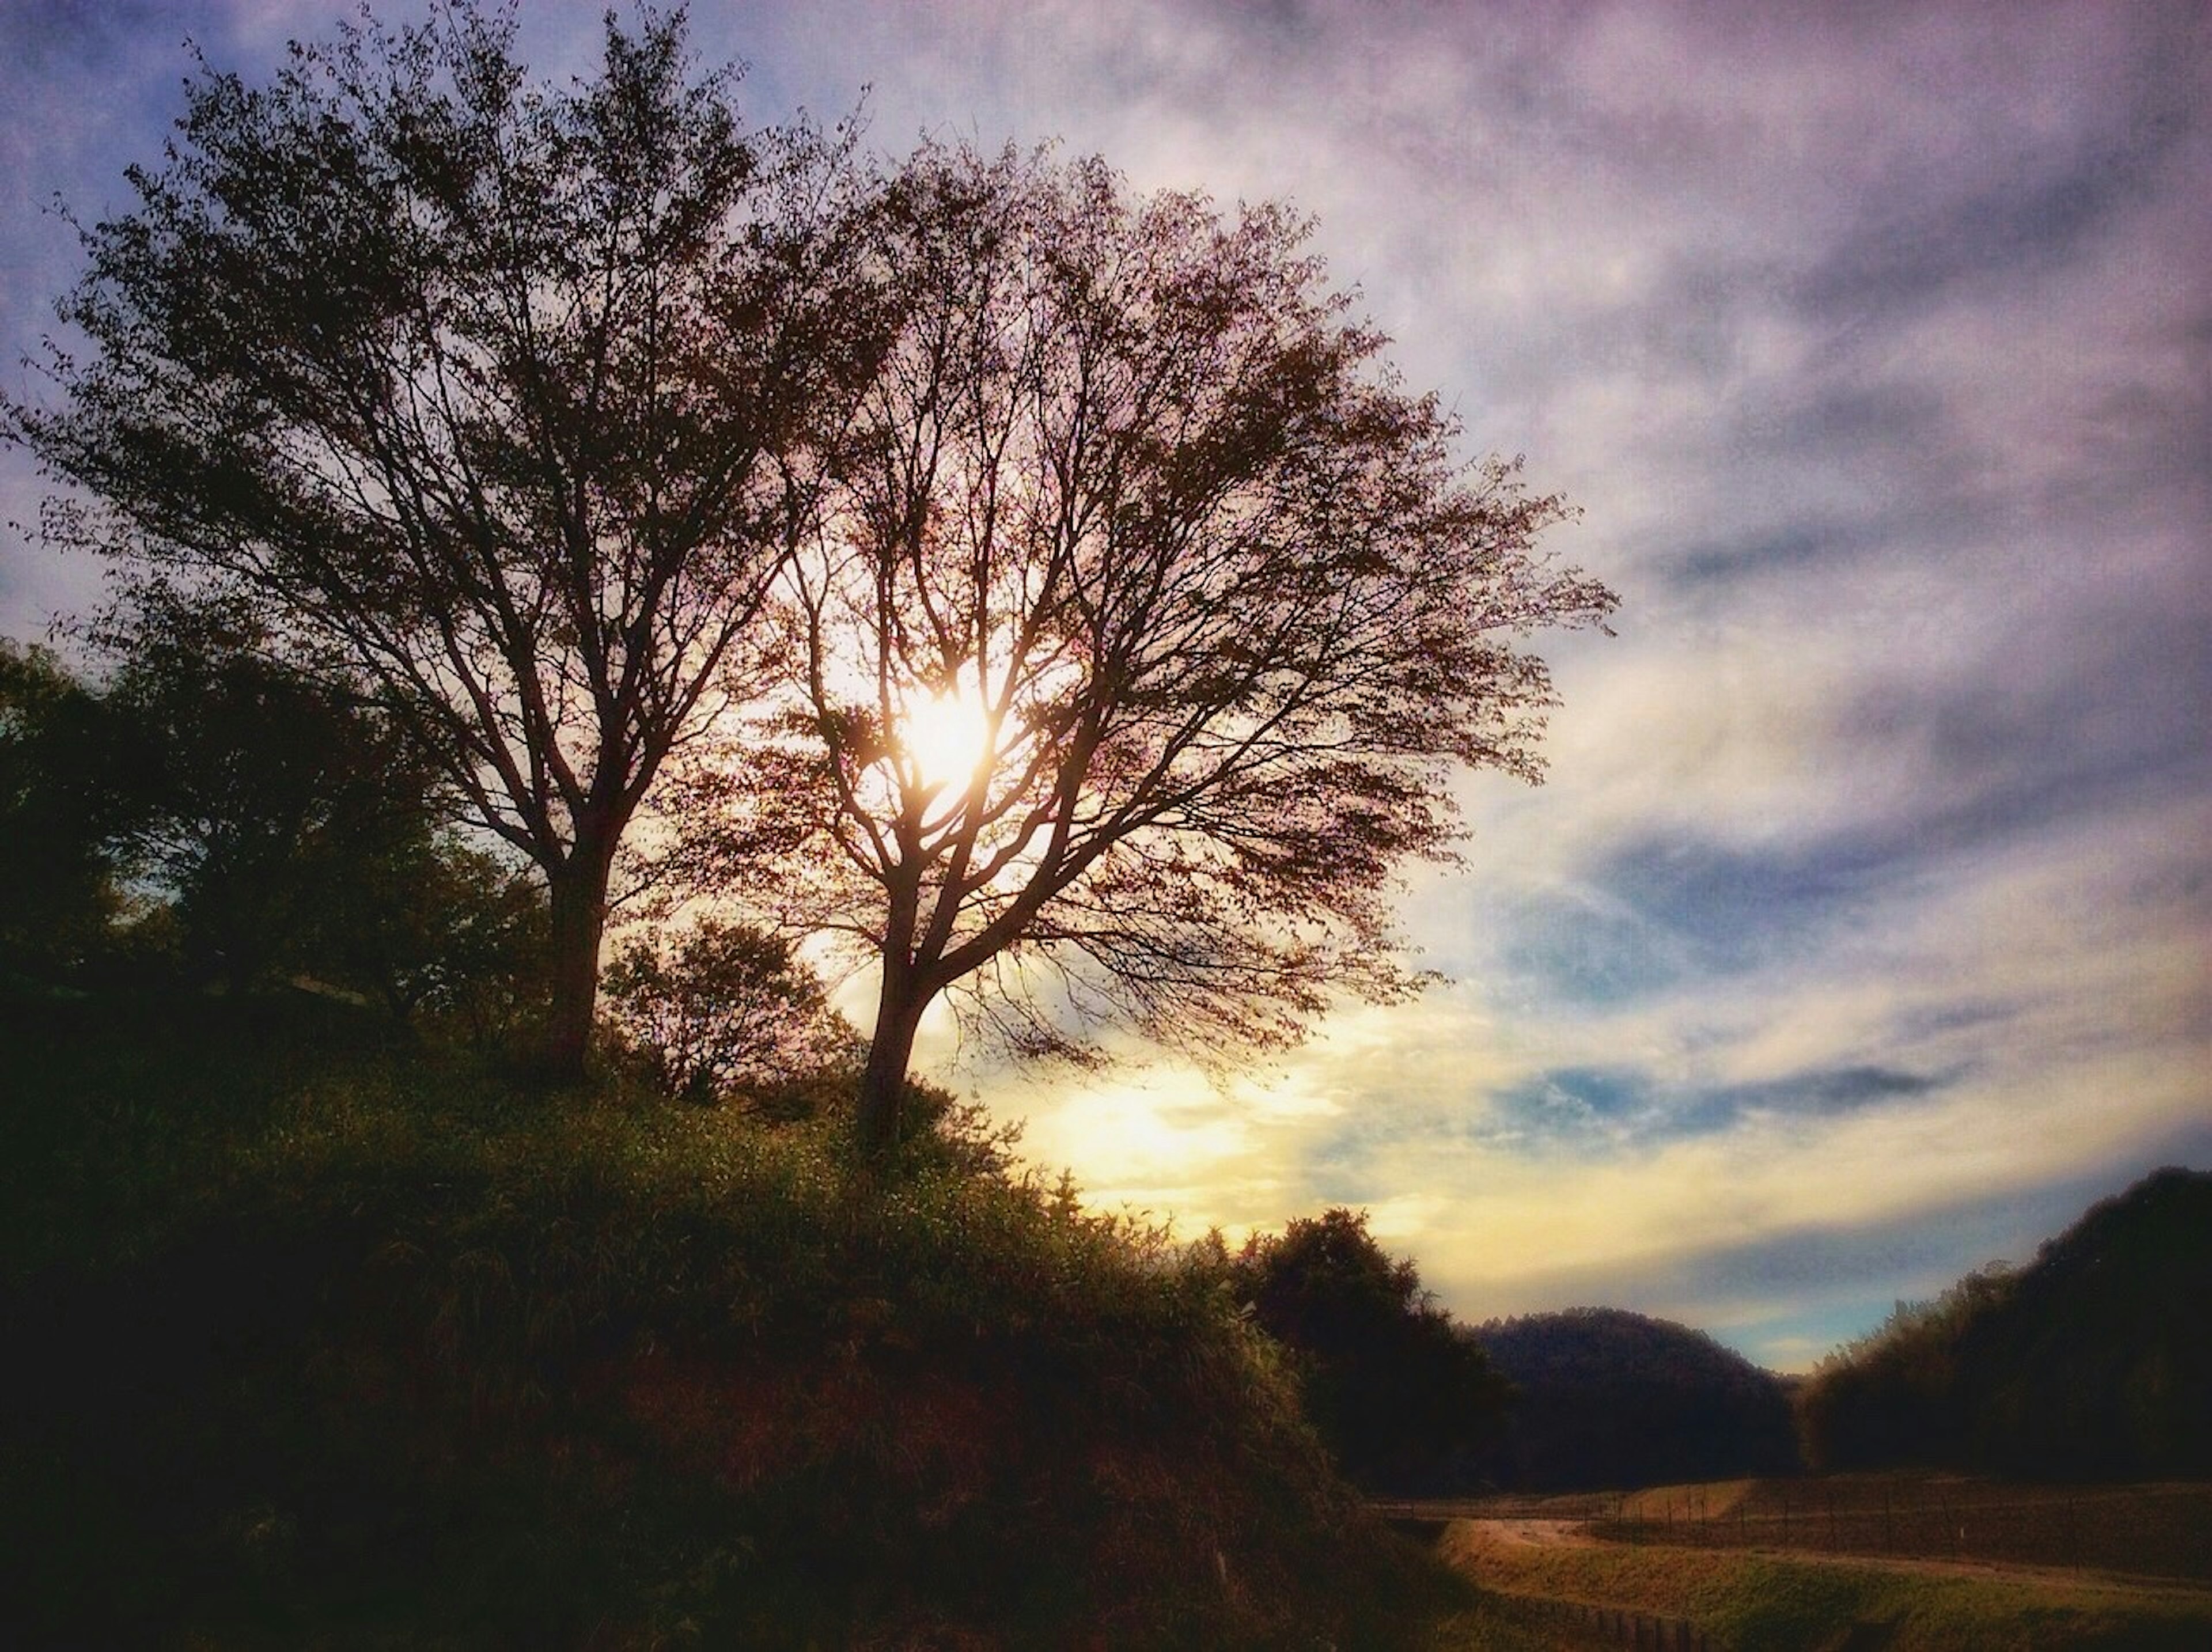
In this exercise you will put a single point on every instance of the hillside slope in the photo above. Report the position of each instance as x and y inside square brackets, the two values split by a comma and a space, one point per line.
[2093, 1362]
[1612, 1399]
[378, 1351]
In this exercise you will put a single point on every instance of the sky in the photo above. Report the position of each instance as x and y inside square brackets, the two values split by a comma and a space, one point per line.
[1862, 932]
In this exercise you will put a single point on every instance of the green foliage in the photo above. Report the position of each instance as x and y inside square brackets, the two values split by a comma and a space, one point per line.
[502, 400]
[1612, 1400]
[212, 818]
[373, 1348]
[1401, 1393]
[1890, 1397]
[722, 1007]
[2094, 1361]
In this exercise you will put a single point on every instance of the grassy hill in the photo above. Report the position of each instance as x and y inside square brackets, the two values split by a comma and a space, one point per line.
[2093, 1362]
[1611, 1398]
[316, 1342]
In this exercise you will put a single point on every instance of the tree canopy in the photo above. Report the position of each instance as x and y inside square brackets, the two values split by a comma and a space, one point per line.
[2094, 1361]
[1146, 621]
[1106, 623]
[1609, 1399]
[496, 396]
[205, 818]
[1402, 1393]
[58, 891]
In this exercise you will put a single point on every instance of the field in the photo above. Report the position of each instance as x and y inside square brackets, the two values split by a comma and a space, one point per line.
[1913, 1563]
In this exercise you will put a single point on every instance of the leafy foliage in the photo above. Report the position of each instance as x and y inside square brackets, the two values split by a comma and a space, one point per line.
[1613, 1400]
[722, 1006]
[59, 895]
[2094, 1361]
[215, 819]
[1132, 489]
[496, 398]
[1401, 1393]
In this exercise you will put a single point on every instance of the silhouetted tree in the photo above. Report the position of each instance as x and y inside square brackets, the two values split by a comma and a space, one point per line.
[272, 812]
[240, 825]
[1147, 626]
[2094, 1361]
[723, 1006]
[1401, 1393]
[497, 397]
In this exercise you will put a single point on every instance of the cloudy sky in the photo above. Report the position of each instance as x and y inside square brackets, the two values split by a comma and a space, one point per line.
[1862, 932]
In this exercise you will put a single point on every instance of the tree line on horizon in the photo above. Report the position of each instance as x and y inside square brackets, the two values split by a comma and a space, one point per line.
[2093, 1362]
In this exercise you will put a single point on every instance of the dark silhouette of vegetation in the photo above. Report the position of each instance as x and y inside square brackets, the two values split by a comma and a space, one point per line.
[1399, 1391]
[1133, 497]
[60, 900]
[2093, 1362]
[312, 1340]
[499, 401]
[724, 1007]
[564, 421]
[208, 818]
[1611, 1400]
[470, 454]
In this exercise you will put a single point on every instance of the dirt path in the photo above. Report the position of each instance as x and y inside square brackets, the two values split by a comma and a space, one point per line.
[1525, 1531]
[1538, 1532]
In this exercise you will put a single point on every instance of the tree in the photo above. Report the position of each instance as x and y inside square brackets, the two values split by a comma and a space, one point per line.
[235, 824]
[1401, 1392]
[1146, 625]
[1611, 1398]
[499, 397]
[277, 816]
[722, 1006]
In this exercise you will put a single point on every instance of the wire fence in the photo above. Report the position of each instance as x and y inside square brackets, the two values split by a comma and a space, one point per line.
[2163, 1531]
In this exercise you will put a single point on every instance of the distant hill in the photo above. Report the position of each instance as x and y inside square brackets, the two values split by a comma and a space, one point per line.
[1611, 1398]
[2093, 1362]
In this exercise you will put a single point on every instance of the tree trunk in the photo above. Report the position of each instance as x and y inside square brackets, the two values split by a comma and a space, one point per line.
[578, 918]
[883, 1084]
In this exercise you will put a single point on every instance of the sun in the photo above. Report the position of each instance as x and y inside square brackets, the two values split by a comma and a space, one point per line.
[947, 735]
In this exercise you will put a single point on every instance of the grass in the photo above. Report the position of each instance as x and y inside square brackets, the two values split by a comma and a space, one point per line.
[1755, 1602]
[322, 1341]
[2162, 1530]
